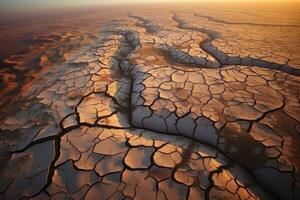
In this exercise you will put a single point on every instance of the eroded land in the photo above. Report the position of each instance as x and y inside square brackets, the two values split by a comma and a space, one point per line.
[175, 104]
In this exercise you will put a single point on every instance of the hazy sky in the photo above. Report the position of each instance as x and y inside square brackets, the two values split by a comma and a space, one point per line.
[28, 4]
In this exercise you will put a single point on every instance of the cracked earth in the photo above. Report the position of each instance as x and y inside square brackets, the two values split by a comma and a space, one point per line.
[169, 105]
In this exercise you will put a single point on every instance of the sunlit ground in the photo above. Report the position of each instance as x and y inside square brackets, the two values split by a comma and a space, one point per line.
[148, 100]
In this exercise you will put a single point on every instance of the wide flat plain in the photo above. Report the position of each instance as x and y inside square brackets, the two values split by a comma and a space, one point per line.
[174, 101]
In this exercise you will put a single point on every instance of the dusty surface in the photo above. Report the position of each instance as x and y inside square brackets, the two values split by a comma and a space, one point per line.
[175, 104]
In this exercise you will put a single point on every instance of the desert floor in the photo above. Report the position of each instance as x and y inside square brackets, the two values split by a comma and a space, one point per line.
[152, 102]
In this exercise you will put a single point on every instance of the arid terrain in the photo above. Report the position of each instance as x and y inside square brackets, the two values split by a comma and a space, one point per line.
[152, 102]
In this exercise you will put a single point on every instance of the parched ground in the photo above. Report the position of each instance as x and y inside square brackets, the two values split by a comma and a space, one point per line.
[179, 103]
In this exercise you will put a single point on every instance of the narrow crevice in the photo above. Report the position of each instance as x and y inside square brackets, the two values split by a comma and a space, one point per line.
[243, 23]
[223, 58]
[149, 26]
